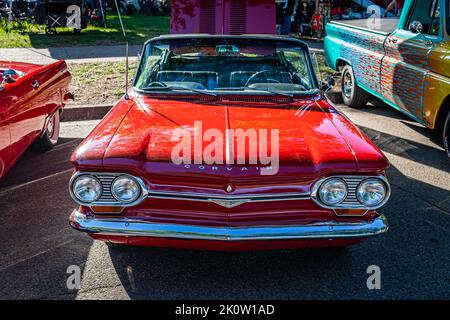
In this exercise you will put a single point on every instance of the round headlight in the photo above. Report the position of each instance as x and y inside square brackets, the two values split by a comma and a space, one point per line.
[87, 188]
[333, 191]
[371, 192]
[125, 189]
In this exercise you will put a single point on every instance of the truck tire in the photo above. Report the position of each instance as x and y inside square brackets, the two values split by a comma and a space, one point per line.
[352, 95]
[49, 139]
[447, 136]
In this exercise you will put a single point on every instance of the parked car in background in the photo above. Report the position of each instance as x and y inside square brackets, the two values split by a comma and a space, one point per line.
[321, 187]
[405, 62]
[31, 100]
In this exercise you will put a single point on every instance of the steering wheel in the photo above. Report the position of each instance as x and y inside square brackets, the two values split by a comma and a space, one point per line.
[264, 76]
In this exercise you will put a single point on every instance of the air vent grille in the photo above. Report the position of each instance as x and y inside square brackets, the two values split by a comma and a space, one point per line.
[207, 16]
[238, 17]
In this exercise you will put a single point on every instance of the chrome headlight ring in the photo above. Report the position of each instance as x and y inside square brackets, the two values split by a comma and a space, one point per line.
[128, 186]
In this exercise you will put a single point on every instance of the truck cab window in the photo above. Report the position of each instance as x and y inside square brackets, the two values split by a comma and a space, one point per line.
[435, 15]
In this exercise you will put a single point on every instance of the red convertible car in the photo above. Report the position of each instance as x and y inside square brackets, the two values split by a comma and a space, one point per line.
[31, 100]
[228, 143]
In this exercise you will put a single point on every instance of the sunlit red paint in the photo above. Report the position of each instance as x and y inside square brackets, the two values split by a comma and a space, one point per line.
[24, 110]
[315, 141]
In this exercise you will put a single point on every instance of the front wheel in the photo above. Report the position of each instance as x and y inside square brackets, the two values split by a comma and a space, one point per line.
[352, 95]
[447, 136]
[51, 134]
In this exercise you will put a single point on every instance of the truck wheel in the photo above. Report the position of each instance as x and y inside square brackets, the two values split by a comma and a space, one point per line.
[352, 95]
[447, 135]
[50, 137]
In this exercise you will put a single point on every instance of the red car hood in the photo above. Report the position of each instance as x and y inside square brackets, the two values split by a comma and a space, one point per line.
[314, 140]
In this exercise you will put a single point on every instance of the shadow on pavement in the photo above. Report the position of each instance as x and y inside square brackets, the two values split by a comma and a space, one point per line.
[413, 257]
[409, 149]
[37, 243]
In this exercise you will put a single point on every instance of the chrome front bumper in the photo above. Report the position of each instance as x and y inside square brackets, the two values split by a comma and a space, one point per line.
[129, 227]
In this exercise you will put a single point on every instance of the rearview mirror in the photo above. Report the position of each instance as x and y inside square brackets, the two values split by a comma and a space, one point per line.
[417, 28]
[328, 84]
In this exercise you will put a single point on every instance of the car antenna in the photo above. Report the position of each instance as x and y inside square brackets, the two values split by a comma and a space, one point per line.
[126, 50]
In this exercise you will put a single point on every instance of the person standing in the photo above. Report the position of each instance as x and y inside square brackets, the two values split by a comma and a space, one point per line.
[288, 15]
[395, 6]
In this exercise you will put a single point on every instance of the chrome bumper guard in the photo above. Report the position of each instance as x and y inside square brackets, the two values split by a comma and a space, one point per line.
[128, 227]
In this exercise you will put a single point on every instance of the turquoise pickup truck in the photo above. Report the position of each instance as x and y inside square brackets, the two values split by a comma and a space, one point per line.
[403, 61]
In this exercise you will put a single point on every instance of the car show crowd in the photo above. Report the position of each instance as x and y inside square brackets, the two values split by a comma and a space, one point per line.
[309, 17]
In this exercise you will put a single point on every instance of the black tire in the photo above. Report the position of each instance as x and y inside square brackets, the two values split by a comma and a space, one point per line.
[352, 95]
[447, 136]
[76, 31]
[49, 138]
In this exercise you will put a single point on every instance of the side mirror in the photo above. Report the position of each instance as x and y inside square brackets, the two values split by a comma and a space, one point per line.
[416, 27]
[328, 84]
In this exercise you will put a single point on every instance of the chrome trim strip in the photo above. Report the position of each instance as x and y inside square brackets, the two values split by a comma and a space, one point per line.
[223, 200]
[343, 205]
[212, 197]
[325, 230]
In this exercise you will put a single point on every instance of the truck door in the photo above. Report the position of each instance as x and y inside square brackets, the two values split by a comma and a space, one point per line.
[407, 60]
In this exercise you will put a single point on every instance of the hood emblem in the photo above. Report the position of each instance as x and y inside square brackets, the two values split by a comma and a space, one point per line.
[229, 203]
[229, 188]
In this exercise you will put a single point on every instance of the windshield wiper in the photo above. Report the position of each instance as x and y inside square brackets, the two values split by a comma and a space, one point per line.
[163, 86]
[290, 95]
[281, 93]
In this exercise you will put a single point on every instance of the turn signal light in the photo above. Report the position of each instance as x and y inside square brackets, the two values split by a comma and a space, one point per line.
[107, 209]
[350, 212]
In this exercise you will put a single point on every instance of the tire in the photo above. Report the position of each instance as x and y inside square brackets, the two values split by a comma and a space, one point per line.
[49, 138]
[76, 31]
[352, 95]
[447, 136]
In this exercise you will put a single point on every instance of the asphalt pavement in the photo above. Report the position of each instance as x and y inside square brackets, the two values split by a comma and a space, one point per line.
[37, 246]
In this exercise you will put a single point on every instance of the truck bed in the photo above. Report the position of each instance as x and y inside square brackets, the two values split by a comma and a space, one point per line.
[388, 25]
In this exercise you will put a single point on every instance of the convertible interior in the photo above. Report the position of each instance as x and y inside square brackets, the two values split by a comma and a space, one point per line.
[194, 71]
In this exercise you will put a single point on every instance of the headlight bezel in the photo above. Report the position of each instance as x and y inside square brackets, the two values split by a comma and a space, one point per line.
[131, 178]
[75, 195]
[351, 201]
[106, 180]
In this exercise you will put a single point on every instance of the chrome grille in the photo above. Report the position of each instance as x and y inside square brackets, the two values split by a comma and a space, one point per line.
[106, 181]
[352, 184]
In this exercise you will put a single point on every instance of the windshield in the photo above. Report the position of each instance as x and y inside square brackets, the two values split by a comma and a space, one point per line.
[212, 65]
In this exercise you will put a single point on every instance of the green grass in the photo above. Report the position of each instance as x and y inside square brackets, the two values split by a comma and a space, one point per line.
[99, 83]
[323, 69]
[138, 29]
